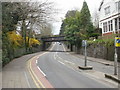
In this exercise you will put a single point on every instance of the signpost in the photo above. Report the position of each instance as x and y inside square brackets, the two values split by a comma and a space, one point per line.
[117, 45]
[84, 44]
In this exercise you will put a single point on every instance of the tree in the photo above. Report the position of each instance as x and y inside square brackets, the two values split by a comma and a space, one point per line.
[46, 29]
[96, 19]
[71, 29]
[26, 15]
[10, 17]
[85, 20]
[77, 26]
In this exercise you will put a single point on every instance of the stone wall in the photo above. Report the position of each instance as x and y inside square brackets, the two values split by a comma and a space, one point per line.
[99, 51]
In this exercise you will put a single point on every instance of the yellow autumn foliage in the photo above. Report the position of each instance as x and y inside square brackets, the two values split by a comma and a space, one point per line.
[14, 38]
[17, 40]
[32, 41]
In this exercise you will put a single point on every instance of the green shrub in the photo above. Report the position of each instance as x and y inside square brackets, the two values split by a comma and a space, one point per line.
[95, 35]
[106, 42]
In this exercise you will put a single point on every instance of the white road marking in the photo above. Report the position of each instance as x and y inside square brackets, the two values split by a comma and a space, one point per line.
[41, 71]
[61, 62]
[27, 79]
[36, 61]
[52, 47]
[67, 53]
[69, 62]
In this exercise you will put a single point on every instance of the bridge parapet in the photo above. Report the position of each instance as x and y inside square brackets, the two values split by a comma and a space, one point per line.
[54, 39]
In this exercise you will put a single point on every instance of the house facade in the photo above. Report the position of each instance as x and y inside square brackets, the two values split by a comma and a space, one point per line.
[109, 17]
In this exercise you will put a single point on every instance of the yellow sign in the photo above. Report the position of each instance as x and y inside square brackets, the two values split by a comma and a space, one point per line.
[117, 41]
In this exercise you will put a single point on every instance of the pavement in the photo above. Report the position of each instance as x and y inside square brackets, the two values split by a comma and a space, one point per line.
[15, 73]
[22, 72]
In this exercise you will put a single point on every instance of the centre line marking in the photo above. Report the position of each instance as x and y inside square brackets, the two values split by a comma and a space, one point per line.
[61, 62]
[69, 62]
[54, 56]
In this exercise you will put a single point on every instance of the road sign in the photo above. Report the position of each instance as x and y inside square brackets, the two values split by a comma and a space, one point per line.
[117, 41]
[84, 43]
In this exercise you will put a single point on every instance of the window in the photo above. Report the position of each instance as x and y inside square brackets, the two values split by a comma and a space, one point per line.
[119, 23]
[107, 10]
[111, 24]
[117, 4]
[116, 24]
[105, 27]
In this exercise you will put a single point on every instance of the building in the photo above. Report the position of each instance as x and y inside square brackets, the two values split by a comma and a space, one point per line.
[109, 17]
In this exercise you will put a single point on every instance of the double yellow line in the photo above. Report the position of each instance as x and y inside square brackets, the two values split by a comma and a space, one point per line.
[36, 80]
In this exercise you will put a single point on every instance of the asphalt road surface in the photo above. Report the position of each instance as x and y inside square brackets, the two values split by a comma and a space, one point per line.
[61, 70]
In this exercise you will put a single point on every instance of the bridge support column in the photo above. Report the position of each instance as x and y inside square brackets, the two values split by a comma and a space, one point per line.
[71, 47]
[44, 46]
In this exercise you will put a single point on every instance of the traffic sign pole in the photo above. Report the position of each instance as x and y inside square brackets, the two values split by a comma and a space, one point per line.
[85, 43]
[85, 54]
[117, 45]
[115, 62]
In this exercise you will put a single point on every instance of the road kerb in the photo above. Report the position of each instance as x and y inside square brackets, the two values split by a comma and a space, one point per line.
[85, 67]
[112, 77]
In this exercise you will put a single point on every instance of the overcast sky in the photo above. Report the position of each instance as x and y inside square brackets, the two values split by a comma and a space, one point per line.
[65, 5]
